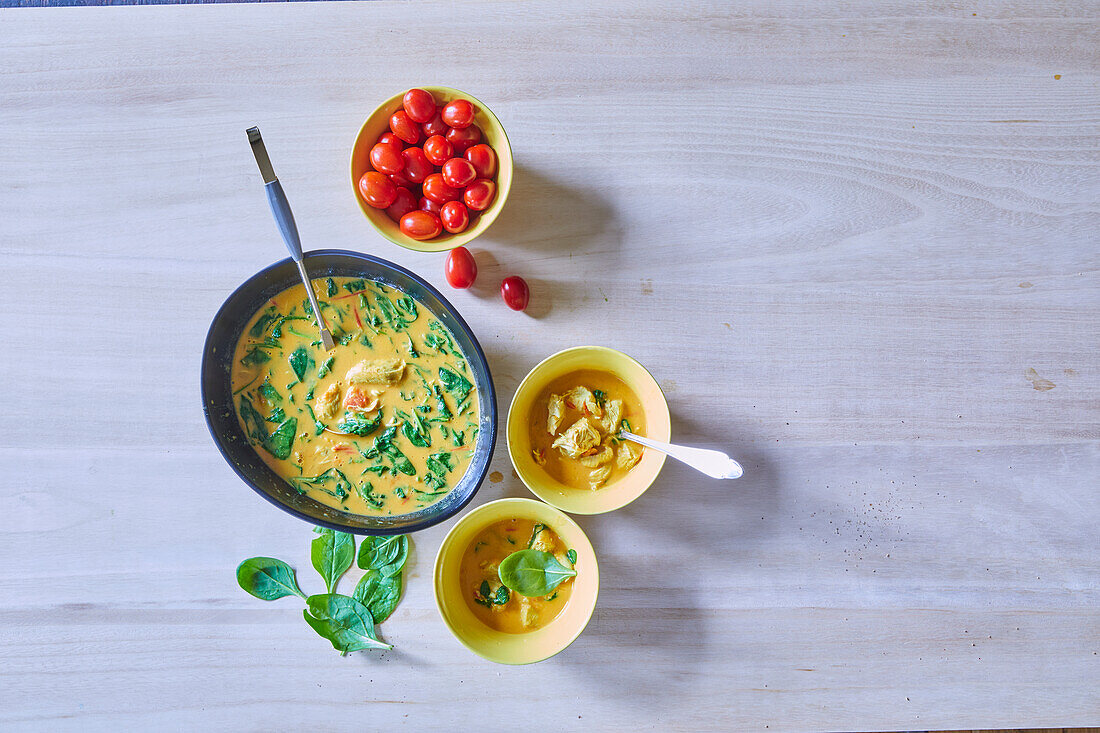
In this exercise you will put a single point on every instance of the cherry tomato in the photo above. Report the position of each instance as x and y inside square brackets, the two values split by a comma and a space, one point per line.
[459, 113]
[459, 172]
[403, 204]
[420, 225]
[403, 126]
[377, 190]
[401, 181]
[438, 150]
[455, 217]
[484, 160]
[461, 269]
[515, 292]
[463, 138]
[419, 105]
[437, 189]
[480, 194]
[388, 138]
[417, 165]
[386, 159]
[426, 204]
[435, 126]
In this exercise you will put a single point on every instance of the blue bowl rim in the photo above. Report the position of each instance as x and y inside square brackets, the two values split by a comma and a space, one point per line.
[427, 521]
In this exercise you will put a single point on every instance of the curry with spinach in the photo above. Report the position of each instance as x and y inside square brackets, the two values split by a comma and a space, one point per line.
[385, 423]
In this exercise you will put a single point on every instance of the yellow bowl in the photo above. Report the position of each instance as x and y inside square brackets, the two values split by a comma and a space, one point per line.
[630, 486]
[492, 133]
[498, 646]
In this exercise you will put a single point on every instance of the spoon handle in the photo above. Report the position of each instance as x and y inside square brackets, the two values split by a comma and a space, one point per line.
[711, 462]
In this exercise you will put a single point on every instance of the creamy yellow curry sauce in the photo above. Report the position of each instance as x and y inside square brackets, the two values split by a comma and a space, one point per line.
[385, 423]
[488, 598]
[573, 425]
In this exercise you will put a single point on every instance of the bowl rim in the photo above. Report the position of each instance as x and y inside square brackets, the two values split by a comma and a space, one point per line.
[487, 217]
[218, 442]
[437, 580]
[511, 410]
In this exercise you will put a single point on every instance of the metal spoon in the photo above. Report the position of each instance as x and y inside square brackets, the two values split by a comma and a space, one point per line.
[280, 207]
[711, 462]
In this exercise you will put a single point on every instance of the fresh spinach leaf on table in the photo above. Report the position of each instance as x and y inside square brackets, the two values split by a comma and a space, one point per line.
[332, 553]
[384, 554]
[268, 578]
[344, 621]
[379, 593]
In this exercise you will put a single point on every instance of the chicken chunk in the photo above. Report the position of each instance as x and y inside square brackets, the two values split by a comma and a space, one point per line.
[581, 398]
[605, 455]
[544, 541]
[528, 616]
[613, 416]
[628, 455]
[360, 400]
[328, 402]
[578, 439]
[377, 371]
[555, 413]
[598, 476]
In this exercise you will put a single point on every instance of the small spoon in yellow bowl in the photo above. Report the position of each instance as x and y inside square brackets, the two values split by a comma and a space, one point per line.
[711, 462]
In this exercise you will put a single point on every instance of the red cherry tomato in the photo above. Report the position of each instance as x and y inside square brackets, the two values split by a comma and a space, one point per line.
[403, 126]
[377, 190]
[435, 126]
[438, 150]
[455, 217]
[426, 204]
[515, 292]
[437, 189]
[484, 160]
[417, 165]
[419, 105]
[386, 159]
[459, 172]
[401, 181]
[403, 204]
[420, 225]
[388, 138]
[463, 138]
[461, 268]
[479, 195]
[458, 113]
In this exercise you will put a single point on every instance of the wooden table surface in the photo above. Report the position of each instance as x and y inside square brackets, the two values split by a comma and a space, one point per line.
[858, 248]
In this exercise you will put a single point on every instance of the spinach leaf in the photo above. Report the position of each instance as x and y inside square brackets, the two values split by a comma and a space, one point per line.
[301, 362]
[330, 287]
[318, 426]
[454, 382]
[277, 415]
[387, 555]
[535, 533]
[333, 482]
[279, 442]
[260, 326]
[268, 578]
[354, 286]
[415, 430]
[572, 555]
[533, 573]
[332, 553]
[366, 491]
[440, 463]
[379, 593]
[253, 420]
[459, 438]
[600, 396]
[344, 621]
[255, 356]
[407, 304]
[269, 393]
[356, 424]
[485, 595]
[384, 444]
[437, 342]
[440, 403]
[326, 366]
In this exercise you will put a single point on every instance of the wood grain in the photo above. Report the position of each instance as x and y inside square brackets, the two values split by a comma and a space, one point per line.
[841, 237]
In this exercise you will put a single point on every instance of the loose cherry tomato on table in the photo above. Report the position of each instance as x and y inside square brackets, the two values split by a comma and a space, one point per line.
[403, 204]
[461, 269]
[455, 217]
[479, 195]
[403, 126]
[458, 113]
[437, 189]
[483, 159]
[459, 172]
[419, 105]
[417, 165]
[438, 150]
[426, 204]
[436, 125]
[386, 159]
[420, 225]
[388, 138]
[463, 138]
[377, 190]
[515, 292]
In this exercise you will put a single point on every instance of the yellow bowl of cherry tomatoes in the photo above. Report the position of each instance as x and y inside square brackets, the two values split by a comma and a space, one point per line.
[431, 168]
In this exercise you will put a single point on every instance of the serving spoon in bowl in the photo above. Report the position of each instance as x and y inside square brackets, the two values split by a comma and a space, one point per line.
[711, 462]
[280, 207]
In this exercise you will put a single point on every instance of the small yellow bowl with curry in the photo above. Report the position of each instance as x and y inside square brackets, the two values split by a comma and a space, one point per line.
[564, 423]
[510, 625]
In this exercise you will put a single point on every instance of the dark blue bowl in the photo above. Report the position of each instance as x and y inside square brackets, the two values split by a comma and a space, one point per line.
[221, 416]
